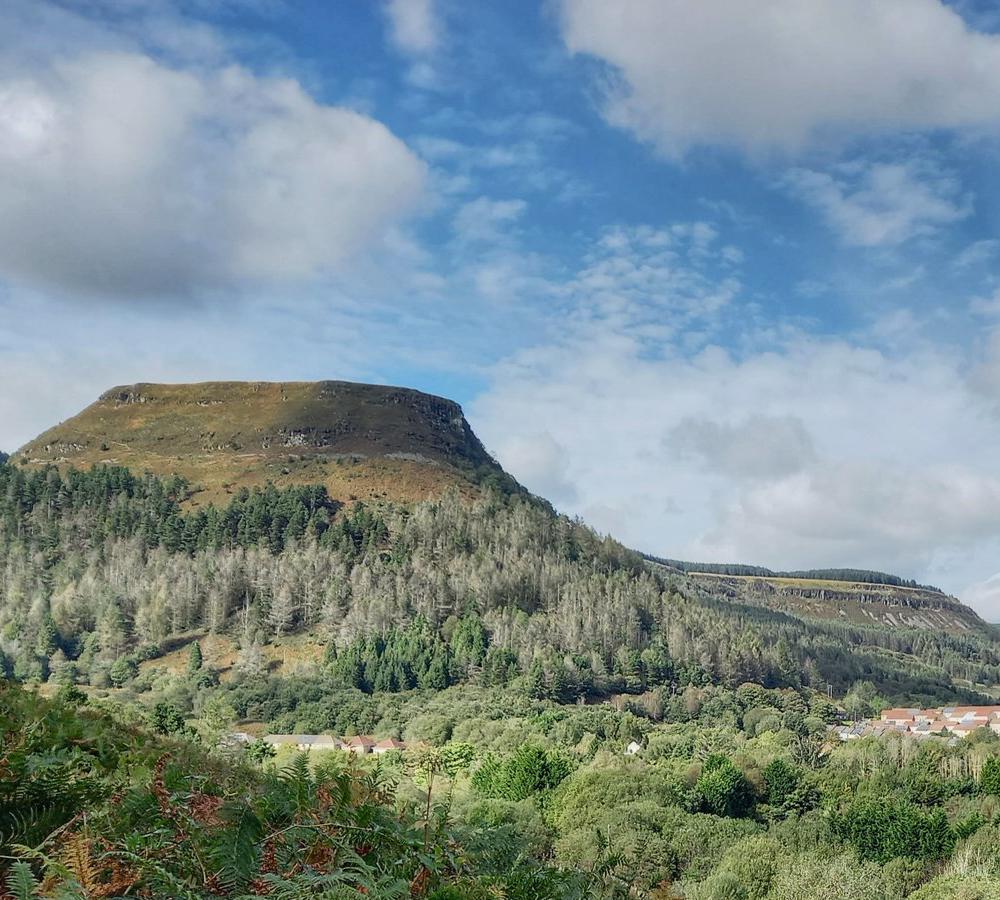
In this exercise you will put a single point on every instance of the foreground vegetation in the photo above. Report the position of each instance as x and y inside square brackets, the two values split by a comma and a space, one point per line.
[738, 797]
[92, 808]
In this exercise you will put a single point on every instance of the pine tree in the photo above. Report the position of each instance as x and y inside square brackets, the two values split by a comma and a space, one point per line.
[122, 670]
[989, 778]
[195, 660]
[535, 682]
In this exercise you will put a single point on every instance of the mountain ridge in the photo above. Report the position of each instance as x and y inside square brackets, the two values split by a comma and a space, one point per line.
[380, 442]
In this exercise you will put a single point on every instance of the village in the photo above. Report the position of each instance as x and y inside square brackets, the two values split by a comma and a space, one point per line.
[360, 744]
[951, 722]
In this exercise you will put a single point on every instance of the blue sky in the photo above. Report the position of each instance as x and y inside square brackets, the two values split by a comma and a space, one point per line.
[721, 278]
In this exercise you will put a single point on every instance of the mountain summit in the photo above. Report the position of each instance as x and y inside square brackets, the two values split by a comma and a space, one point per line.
[362, 441]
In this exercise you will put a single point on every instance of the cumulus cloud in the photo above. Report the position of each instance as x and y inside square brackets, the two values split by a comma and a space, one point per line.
[542, 461]
[881, 204]
[780, 74]
[122, 176]
[874, 511]
[413, 25]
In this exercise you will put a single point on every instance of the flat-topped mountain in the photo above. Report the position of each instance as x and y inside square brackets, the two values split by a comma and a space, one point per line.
[360, 440]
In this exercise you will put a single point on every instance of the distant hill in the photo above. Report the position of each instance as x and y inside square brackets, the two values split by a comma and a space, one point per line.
[854, 596]
[861, 576]
[361, 441]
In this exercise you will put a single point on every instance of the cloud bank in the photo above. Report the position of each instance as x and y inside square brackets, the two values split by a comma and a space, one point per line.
[782, 74]
[793, 450]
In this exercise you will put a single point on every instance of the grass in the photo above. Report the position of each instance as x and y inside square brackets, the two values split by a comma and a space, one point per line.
[285, 656]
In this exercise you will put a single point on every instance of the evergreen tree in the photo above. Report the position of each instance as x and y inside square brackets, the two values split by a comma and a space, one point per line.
[195, 660]
[989, 777]
[122, 670]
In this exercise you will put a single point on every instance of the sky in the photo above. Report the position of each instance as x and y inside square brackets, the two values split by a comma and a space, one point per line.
[722, 279]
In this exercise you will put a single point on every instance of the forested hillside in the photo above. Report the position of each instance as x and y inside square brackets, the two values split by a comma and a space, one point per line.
[578, 721]
[850, 596]
[100, 568]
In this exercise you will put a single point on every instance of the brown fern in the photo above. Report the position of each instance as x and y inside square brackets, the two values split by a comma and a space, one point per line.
[159, 788]
[78, 859]
[204, 809]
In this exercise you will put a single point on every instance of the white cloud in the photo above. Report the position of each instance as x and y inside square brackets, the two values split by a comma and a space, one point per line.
[122, 176]
[756, 447]
[987, 307]
[881, 204]
[487, 220]
[653, 283]
[799, 451]
[985, 596]
[880, 513]
[414, 25]
[541, 461]
[977, 252]
[781, 74]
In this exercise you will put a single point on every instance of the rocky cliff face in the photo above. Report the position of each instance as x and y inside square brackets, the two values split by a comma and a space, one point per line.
[850, 602]
[362, 441]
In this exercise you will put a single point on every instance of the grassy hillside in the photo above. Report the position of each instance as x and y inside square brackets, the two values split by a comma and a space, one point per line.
[360, 441]
[859, 603]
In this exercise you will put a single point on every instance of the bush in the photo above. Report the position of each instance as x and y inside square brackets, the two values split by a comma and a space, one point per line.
[531, 770]
[724, 789]
[882, 828]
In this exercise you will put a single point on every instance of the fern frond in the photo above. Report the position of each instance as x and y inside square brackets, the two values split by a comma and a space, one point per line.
[164, 882]
[21, 883]
[237, 851]
[77, 858]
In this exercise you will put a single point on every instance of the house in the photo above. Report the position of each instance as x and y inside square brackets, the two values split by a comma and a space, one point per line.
[388, 745]
[852, 731]
[900, 716]
[958, 713]
[633, 748]
[360, 744]
[304, 741]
